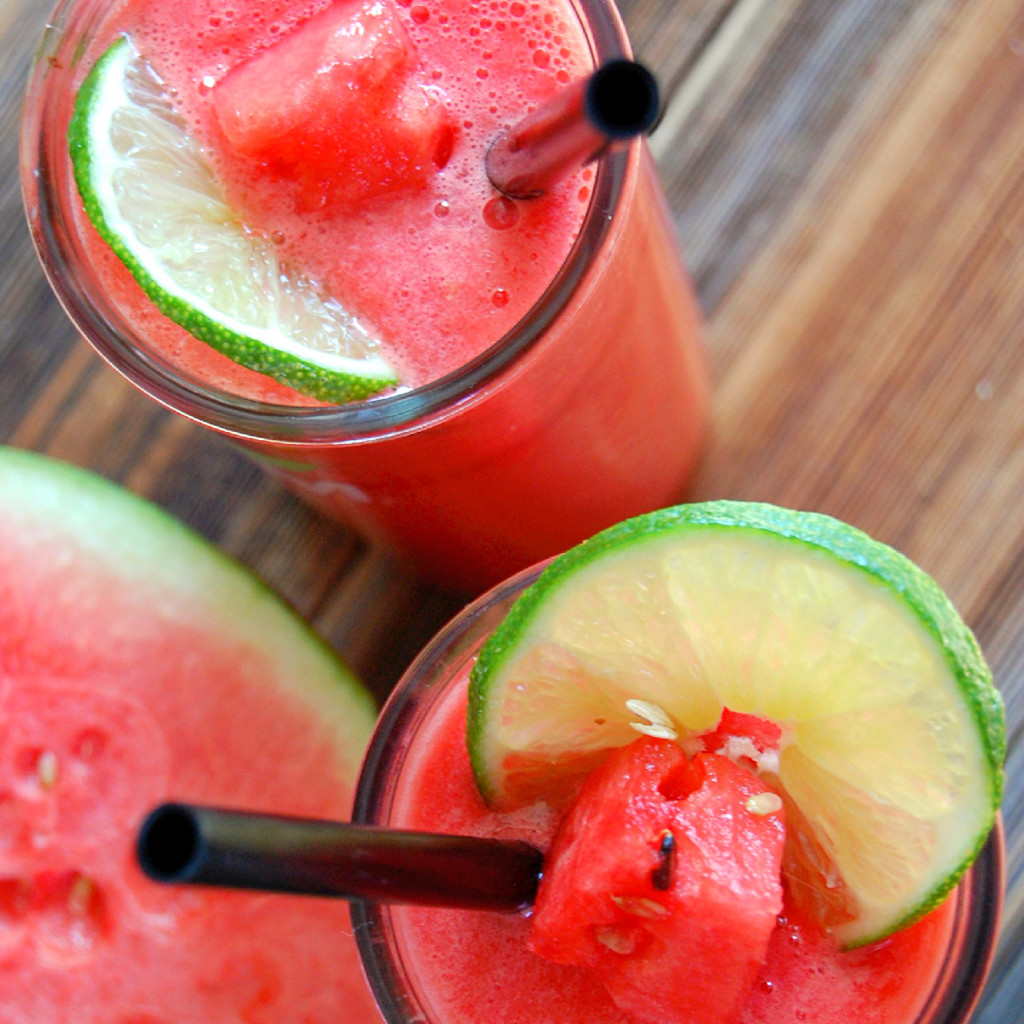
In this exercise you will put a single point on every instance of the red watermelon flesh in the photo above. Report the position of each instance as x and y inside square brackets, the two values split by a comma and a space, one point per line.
[677, 928]
[337, 108]
[743, 737]
[137, 665]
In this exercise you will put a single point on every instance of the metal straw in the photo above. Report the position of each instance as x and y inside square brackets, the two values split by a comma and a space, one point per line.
[618, 101]
[183, 843]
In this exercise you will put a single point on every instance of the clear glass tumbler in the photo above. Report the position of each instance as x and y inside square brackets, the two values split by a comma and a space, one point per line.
[411, 714]
[592, 409]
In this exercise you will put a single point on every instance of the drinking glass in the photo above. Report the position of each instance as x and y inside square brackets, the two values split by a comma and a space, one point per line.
[410, 715]
[592, 409]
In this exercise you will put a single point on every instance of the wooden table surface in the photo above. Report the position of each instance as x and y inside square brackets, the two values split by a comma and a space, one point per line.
[847, 180]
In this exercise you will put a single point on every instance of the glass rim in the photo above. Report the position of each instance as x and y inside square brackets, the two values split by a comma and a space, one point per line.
[54, 238]
[959, 982]
[458, 639]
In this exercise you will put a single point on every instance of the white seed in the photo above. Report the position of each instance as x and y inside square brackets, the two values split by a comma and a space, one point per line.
[641, 906]
[80, 896]
[764, 803]
[46, 769]
[656, 721]
[647, 709]
[618, 940]
[662, 732]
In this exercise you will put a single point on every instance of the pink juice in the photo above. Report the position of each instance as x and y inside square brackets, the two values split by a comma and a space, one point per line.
[470, 966]
[396, 257]
[589, 404]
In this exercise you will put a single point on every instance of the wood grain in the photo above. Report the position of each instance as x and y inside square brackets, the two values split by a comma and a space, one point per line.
[847, 181]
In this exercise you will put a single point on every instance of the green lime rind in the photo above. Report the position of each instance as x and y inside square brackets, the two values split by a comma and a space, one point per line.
[820, 535]
[840, 540]
[275, 350]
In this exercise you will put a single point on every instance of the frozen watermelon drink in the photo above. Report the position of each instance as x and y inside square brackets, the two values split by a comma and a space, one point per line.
[275, 218]
[762, 756]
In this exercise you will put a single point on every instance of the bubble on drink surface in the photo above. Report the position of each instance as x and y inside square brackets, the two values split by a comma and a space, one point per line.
[501, 213]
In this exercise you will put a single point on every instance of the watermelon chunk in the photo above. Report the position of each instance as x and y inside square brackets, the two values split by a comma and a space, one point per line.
[138, 664]
[664, 879]
[337, 108]
[749, 739]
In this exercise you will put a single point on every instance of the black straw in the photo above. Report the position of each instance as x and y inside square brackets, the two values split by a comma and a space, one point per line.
[183, 843]
[614, 104]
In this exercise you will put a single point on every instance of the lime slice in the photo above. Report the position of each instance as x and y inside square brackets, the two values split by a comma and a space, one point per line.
[149, 193]
[890, 760]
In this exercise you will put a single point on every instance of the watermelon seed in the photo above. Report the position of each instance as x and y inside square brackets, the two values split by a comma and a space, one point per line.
[657, 723]
[640, 906]
[764, 803]
[661, 876]
[80, 896]
[46, 769]
[618, 940]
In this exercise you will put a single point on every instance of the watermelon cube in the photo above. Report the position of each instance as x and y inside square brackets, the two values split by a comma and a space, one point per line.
[664, 879]
[337, 108]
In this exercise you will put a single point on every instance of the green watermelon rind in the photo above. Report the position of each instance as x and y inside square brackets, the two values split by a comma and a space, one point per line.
[817, 532]
[41, 497]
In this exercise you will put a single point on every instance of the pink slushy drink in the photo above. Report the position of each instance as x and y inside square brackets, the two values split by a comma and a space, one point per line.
[547, 352]
[681, 884]
[483, 967]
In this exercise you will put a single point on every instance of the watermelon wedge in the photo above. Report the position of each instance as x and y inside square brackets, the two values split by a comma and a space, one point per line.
[336, 110]
[663, 878]
[139, 664]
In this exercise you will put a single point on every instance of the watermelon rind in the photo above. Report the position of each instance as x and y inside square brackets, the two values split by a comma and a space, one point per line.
[55, 506]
